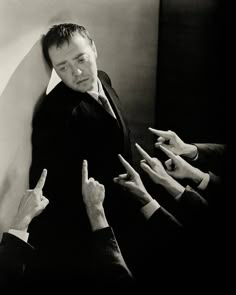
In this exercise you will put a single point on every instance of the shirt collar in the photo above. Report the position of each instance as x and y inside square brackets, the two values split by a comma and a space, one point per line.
[100, 92]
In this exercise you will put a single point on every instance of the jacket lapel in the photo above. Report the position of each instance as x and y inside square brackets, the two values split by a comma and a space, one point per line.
[115, 103]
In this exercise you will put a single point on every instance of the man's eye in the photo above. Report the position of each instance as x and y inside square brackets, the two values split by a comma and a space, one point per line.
[82, 59]
[63, 69]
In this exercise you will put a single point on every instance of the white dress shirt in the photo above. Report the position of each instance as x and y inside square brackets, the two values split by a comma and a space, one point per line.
[100, 92]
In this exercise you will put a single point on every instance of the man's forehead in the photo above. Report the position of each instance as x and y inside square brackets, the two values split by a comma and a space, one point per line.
[75, 40]
[77, 45]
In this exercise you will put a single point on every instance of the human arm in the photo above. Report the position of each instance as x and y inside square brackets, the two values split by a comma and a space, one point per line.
[32, 204]
[206, 183]
[161, 230]
[193, 203]
[178, 168]
[171, 141]
[132, 182]
[108, 257]
[206, 156]
[154, 168]
[14, 250]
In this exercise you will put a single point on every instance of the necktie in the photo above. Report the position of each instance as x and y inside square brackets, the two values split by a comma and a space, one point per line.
[106, 105]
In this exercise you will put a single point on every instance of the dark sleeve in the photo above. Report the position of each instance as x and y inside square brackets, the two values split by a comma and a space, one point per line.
[108, 260]
[48, 140]
[160, 249]
[191, 208]
[162, 218]
[211, 157]
[164, 227]
[14, 255]
[212, 191]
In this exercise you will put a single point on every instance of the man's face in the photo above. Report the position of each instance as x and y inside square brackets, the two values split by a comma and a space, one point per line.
[75, 63]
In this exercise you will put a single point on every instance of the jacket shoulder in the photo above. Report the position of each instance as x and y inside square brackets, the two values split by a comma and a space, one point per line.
[49, 103]
[103, 76]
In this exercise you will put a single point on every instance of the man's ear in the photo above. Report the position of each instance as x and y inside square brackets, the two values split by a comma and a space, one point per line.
[94, 49]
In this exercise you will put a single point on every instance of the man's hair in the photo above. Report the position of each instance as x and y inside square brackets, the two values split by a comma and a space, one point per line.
[59, 34]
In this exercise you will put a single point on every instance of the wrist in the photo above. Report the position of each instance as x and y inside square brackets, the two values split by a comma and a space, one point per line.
[190, 151]
[197, 176]
[21, 226]
[97, 217]
[145, 198]
[173, 187]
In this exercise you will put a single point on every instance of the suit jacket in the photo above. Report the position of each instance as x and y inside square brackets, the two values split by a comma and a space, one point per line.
[111, 269]
[68, 127]
[14, 255]
[160, 248]
[109, 266]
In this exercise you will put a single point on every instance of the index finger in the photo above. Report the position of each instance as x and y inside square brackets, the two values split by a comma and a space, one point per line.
[130, 170]
[159, 132]
[42, 179]
[84, 171]
[144, 154]
[167, 152]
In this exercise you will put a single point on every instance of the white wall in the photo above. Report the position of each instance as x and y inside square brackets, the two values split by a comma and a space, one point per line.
[125, 33]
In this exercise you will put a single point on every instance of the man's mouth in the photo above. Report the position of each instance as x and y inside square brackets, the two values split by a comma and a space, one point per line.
[81, 81]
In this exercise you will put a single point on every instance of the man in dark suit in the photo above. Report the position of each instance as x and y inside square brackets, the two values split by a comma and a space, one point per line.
[81, 118]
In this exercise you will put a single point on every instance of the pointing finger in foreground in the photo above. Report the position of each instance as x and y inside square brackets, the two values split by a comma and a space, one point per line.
[41, 181]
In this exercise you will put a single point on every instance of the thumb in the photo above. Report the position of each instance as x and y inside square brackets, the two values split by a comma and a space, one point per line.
[169, 164]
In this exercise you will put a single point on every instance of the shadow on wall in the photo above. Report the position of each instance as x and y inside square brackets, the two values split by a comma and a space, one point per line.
[16, 108]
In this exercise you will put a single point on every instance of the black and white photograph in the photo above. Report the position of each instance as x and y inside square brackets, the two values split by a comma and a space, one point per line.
[116, 146]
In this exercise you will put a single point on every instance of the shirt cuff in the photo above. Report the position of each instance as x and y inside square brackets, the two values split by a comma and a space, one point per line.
[150, 208]
[19, 234]
[204, 183]
[196, 157]
[179, 195]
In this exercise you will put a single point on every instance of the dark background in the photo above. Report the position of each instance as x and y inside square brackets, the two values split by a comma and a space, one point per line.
[194, 82]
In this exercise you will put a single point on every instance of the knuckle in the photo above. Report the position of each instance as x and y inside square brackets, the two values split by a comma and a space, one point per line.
[154, 162]
[172, 133]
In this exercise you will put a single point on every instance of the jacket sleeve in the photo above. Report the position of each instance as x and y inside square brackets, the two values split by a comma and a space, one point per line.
[191, 208]
[14, 255]
[109, 263]
[211, 157]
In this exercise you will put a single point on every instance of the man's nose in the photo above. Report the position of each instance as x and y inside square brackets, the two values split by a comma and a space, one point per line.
[76, 71]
